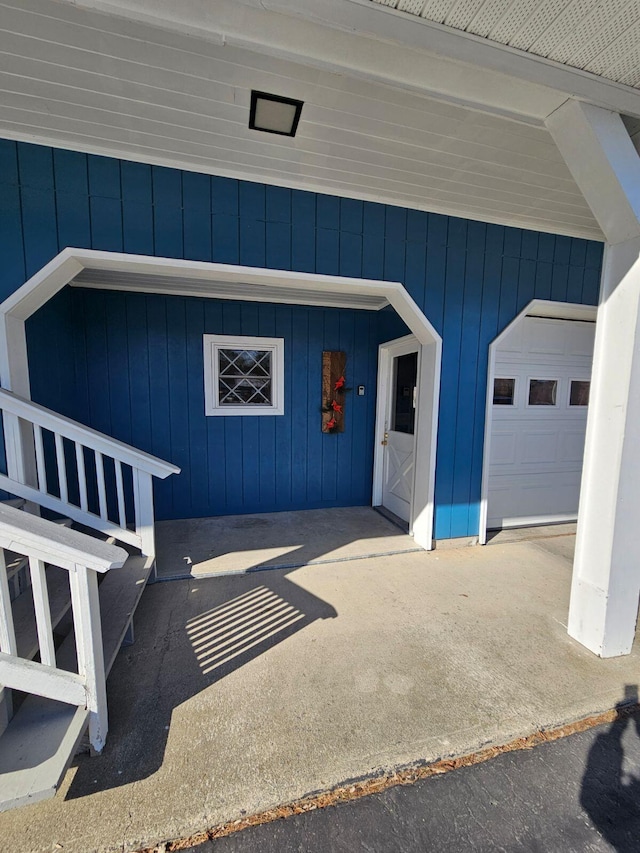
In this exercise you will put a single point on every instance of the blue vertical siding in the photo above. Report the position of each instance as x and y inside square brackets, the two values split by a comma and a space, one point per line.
[140, 357]
[469, 278]
[137, 208]
[54, 377]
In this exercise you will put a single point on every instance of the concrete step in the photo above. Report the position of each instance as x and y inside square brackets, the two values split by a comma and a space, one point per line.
[41, 739]
[16, 503]
[36, 749]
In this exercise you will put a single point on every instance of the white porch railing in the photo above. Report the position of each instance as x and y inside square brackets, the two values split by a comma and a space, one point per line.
[83, 557]
[79, 472]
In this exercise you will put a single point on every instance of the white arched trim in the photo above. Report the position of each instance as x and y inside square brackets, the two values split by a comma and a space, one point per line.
[140, 273]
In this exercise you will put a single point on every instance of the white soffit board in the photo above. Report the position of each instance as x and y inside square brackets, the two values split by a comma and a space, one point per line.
[80, 79]
[183, 285]
[175, 276]
[561, 310]
[598, 36]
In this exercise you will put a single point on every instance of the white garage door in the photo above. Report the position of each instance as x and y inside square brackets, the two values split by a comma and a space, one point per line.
[540, 396]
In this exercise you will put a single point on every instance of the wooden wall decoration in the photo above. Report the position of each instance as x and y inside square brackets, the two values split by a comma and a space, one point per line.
[334, 365]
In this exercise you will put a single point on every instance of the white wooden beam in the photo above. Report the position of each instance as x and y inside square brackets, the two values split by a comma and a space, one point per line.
[53, 543]
[603, 160]
[25, 301]
[32, 677]
[408, 310]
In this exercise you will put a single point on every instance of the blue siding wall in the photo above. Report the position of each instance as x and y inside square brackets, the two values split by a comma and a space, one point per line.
[149, 348]
[470, 278]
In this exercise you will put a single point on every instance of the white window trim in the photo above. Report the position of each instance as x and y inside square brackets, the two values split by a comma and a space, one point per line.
[211, 345]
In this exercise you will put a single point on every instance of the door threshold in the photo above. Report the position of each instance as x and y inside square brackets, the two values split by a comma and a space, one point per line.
[393, 518]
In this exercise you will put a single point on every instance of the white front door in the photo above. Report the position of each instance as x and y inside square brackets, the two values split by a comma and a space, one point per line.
[400, 419]
[540, 397]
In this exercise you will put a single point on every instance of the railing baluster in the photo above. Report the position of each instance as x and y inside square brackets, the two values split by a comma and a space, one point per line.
[102, 490]
[122, 511]
[7, 633]
[40, 466]
[43, 611]
[62, 469]
[8, 642]
[82, 477]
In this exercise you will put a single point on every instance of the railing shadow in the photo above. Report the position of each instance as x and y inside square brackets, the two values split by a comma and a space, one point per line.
[610, 795]
[189, 635]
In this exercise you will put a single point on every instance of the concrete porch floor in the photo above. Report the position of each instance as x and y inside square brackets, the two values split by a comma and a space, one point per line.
[243, 692]
[207, 547]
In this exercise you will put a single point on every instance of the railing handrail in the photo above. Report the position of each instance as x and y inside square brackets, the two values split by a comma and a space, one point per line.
[60, 546]
[84, 435]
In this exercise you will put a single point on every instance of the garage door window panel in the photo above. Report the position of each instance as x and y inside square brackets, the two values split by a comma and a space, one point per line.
[543, 392]
[579, 392]
[504, 392]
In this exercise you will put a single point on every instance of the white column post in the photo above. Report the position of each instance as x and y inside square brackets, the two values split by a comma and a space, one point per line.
[88, 629]
[14, 376]
[606, 575]
[143, 503]
[606, 579]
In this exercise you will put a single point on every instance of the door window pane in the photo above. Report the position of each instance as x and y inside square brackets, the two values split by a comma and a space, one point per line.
[503, 392]
[579, 395]
[403, 413]
[542, 392]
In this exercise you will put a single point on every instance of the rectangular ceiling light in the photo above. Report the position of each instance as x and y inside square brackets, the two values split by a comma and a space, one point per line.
[274, 114]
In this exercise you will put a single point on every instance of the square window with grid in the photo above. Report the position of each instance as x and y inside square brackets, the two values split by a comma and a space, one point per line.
[243, 376]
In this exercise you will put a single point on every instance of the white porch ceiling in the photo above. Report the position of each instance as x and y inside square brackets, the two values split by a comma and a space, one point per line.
[110, 84]
[599, 36]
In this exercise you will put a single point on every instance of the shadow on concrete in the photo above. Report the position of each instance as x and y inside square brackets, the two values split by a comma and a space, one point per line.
[189, 635]
[609, 795]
